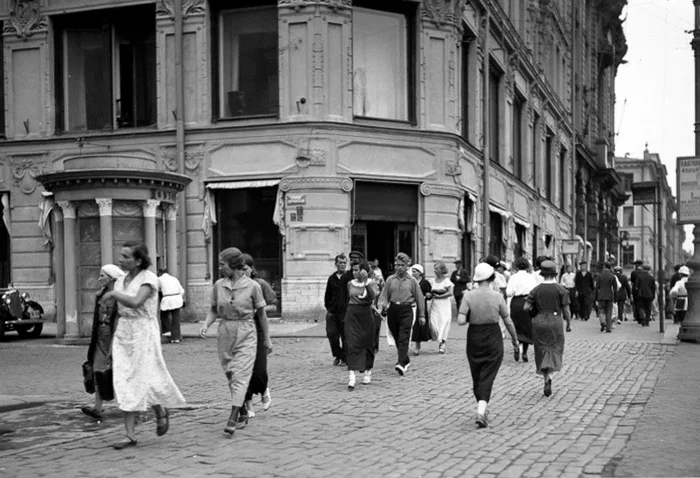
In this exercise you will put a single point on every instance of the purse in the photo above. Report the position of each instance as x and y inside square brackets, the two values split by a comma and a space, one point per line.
[88, 377]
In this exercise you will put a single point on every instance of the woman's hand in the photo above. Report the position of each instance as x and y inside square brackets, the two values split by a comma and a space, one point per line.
[363, 275]
[421, 320]
[268, 346]
[203, 331]
[428, 295]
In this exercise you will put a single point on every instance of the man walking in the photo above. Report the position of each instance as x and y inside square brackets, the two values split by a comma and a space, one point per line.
[624, 293]
[401, 291]
[606, 293]
[172, 300]
[335, 310]
[460, 279]
[584, 288]
[644, 291]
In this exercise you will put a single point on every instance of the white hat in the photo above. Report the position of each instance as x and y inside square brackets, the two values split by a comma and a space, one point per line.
[418, 268]
[482, 271]
[112, 271]
[684, 270]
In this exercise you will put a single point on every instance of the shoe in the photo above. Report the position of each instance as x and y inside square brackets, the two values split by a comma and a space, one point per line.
[516, 355]
[242, 418]
[548, 387]
[416, 352]
[367, 378]
[249, 408]
[441, 348]
[336, 361]
[91, 412]
[525, 359]
[342, 363]
[602, 327]
[125, 444]
[351, 381]
[266, 399]
[400, 369]
[230, 427]
[481, 421]
[608, 331]
[405, 367]
[163, 423]
[166, 334]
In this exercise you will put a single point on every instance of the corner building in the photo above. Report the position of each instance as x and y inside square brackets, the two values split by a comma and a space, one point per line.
[294, 130]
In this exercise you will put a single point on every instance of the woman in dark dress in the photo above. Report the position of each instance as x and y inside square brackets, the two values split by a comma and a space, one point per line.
[359, 325]
[549, 302]
[99, 354]
[484, 308]
[421, 333]
[519, 286]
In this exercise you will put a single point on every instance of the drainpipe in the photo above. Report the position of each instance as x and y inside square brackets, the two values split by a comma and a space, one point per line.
[180, 141]
[485, 135]
[574, 62]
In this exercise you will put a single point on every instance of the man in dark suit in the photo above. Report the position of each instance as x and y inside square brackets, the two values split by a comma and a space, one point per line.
[644, 291]
[605, 293]
[633, 281]
[335, 307]
[624, 293]
[584, 288]
[460, 278]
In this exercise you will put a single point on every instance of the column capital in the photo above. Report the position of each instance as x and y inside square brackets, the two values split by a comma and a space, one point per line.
[68, 208]
[149, 207]
[105, 205]
[170, 212]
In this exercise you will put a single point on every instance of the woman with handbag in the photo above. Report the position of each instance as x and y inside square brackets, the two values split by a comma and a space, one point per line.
[99, 356]
[483, 309]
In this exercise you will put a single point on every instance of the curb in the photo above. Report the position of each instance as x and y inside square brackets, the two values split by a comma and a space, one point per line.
[12, 403]
[671, 334]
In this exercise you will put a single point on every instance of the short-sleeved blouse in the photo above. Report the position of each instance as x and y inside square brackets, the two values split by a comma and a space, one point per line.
[549, 297]
[360, 295]
[442, 286]
[149, 309]
[486, 305]
[238, 300]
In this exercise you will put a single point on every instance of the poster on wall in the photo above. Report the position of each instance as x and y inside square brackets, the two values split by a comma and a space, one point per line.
[688, 190]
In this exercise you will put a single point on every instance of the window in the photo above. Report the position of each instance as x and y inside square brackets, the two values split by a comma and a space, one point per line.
[248, 62]
[107, 62]
[562, 177]
[518, 105]
[382, 75]
[627, 180]
[496, 241]
[535, 239]
[519, 246]
[548, 165]
[627, 255]
[467, 38]
[2, 87]
[535, 159]
[494, 113]
[628, 216]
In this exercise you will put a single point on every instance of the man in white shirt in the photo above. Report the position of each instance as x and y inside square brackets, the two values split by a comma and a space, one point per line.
[172, 300]
[568, 280]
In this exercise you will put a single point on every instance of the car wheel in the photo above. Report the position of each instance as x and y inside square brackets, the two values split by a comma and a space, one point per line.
[36, 330]
[2, 328]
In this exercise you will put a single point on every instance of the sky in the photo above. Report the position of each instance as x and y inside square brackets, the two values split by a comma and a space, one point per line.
[655, 87]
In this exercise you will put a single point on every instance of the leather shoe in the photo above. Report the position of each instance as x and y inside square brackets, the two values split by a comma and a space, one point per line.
[125, 444]
[548, 387]
[163, 423]
[230, 427]
[481, 421]
[516, 355]
[336, 361]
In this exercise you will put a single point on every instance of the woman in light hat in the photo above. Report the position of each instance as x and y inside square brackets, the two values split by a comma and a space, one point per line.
[549, 303]
[483, 309]
[99, 354]
[421, 333]
[679, 295]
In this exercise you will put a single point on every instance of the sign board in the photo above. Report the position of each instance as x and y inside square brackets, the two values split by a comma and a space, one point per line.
[688, 190]
[296, 199]
[570, 246]
[644, 193]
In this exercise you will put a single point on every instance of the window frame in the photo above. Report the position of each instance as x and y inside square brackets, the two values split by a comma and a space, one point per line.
[627, 253]
[519, 103]
[625, 211]
[495, 78]
[562, 176]
[548, 153]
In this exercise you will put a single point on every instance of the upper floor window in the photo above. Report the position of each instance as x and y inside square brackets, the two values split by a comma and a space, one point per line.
[107, 69]
[518, 107]
[549, 165]
[382, 66]
[562, 177]
[627, 180]
[248, 62]
[628, 216]
[494, 126]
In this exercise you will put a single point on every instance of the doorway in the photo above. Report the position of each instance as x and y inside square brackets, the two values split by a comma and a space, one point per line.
[5, 242]
[382, 240]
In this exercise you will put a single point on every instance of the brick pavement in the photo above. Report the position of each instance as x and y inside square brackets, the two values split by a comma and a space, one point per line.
[419, 425]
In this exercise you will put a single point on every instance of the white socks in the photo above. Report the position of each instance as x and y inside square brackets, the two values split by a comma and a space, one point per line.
[351, 381]
[481, 407]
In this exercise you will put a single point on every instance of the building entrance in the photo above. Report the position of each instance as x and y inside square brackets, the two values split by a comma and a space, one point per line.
[382, 240]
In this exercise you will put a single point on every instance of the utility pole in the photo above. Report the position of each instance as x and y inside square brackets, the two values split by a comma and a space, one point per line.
[690, 328]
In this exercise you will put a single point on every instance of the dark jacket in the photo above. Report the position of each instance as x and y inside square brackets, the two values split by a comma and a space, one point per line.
[624, 292]
[634, 275]
[584, 284]
[644, 287]
[331, 297]
[606, 286]
[102, 379]
[96, 324]
[460, 279]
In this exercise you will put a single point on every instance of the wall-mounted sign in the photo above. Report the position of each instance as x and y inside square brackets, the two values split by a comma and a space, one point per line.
[644, 193]
[296, 199]
[570, 246]
[688, 190]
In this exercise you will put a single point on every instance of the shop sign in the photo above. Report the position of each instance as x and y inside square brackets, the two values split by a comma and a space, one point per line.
[644, 193]
[688, 190]
[296, 199]
[570, 246]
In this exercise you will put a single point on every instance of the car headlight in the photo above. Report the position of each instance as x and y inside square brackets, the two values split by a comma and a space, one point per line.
[25, 296]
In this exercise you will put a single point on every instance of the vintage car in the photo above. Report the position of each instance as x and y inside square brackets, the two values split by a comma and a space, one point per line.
[19, 313]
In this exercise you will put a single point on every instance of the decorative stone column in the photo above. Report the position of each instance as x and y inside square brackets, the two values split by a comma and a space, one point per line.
[150, 206]
[107, 250]
[60, 267]
[171, 238]
[69, 276]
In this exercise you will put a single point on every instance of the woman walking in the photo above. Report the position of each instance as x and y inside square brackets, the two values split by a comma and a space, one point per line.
[359, 325]
[99, 353]
[517, 290]
[441, 305]
[141, 378]
[483, 309]
[421, 333]
[236, 300]
[549, 303]
[259, 380]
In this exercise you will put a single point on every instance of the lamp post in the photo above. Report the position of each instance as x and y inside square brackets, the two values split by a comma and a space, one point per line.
[690, 328]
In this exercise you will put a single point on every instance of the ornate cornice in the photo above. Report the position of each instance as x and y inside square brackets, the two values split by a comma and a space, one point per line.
[429, 189]
[287, 184]
[164, 8]
[299, 4]
[442, 12]
[25, 19]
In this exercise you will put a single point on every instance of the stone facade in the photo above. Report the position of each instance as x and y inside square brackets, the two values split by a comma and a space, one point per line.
[321, 139]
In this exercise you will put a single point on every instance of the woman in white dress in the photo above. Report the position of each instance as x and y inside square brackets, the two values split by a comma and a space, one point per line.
[441, 305]
[141, 378]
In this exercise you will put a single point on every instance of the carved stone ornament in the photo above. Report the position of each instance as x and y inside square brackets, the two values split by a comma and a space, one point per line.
[164, 8]
[299, 4]
[442, 12]
[25, 19]
[24, 170]
[68, 208]
[105, 205]
[310, 157]
[428, 189]
[452, 168]
[194, 155]
[149, 207]
[290, 183]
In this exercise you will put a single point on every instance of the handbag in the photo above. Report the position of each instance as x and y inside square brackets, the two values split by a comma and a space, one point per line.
[88, 377]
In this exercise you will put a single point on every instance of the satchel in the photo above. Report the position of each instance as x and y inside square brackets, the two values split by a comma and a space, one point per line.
[88, 377]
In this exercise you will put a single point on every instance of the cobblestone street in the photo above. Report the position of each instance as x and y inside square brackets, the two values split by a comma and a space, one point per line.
[418, 425]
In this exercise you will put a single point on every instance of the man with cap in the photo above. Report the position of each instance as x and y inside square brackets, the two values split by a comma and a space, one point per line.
[584, 288]
[679, 295]
[634, 275]
[401, 291]
[335, 329]
[644, 292]
[606, 294]
[624, 293]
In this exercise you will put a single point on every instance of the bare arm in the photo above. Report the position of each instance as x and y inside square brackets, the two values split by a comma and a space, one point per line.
[262, 322]
[132, 301]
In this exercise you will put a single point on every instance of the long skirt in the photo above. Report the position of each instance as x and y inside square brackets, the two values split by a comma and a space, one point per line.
[359, 337]
[548, 335]
[521, 319]
[485, 354]
[441, 317]
[259, 379]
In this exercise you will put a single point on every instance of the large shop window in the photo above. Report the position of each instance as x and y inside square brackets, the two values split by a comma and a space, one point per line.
[496, 239]
[382, 76]
[107, 69]
[248, 62]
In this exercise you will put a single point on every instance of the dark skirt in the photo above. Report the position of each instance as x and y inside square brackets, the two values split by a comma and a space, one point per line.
[548, 335]
[485, 354]
[259, 379]
[359, 337]
[521, 319]
[421, 333]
